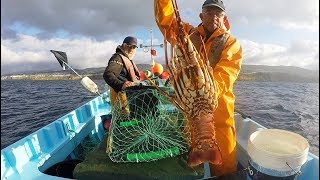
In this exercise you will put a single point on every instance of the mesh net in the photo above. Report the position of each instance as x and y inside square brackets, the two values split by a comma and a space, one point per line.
[146, 127]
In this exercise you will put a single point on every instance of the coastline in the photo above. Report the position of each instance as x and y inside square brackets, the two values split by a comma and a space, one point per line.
[257, 76]
[248, 73]
[43, 77]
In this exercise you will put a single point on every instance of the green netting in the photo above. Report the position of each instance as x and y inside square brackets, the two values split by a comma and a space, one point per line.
[147, 129]
[99, 166]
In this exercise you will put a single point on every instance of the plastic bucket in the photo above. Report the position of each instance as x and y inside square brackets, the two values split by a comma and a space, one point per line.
[276, 153]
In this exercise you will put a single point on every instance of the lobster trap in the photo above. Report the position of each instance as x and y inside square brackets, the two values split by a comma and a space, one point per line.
[147, 127]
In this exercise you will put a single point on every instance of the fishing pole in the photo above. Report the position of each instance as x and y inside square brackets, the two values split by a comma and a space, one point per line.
[72, 69]
[85, 81]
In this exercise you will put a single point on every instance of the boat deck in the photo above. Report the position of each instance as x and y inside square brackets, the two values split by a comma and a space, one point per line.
[98, 165]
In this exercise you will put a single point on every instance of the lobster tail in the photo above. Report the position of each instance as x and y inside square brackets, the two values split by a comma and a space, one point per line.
[204, 147]
[199, 156]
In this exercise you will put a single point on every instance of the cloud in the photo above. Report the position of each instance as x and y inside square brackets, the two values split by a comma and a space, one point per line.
[98, 19]
[102, 19]
[89, 31]
[286, 14]
[28, 53]
[299, 53]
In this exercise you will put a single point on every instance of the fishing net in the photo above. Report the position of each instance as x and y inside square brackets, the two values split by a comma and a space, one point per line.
[147, 127]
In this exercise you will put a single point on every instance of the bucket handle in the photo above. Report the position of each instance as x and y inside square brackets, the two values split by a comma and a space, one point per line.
[250, 171]
[297, 173]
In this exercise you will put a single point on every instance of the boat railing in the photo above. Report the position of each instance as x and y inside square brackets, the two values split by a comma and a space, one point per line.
[54, 142]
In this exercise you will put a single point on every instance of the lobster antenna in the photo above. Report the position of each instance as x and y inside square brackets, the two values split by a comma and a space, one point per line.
[178, 18]
[205, 52]
[181, 33]
[175, 7]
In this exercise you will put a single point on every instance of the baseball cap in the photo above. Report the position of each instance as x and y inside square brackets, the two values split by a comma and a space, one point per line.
[129, 40]
[217, 3]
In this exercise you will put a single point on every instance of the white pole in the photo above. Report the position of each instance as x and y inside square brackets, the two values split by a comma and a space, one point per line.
[71, 69]
[151, 46]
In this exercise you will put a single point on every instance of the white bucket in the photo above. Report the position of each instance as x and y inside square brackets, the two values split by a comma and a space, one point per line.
[277, 152]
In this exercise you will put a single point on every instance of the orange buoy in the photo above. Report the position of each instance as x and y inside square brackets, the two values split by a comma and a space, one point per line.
[157, 69]
[164, 75]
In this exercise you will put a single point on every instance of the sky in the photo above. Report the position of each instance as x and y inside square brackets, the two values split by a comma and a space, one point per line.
[271, 32]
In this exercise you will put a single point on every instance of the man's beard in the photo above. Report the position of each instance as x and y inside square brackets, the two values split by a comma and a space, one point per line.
[131, 55]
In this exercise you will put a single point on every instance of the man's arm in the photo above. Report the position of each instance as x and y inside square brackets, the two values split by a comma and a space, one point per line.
[164, 16]
[227, 69]
[112, 72]
[164, 13]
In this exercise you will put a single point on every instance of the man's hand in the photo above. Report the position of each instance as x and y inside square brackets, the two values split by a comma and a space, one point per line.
[127, 84]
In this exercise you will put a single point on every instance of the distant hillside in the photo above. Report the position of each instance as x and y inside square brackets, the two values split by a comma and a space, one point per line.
[247, 73]
[278, 73]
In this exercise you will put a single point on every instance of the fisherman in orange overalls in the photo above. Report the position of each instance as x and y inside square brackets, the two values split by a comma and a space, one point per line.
[225, 55]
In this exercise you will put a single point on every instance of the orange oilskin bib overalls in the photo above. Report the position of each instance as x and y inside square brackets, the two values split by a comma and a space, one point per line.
[226, 67]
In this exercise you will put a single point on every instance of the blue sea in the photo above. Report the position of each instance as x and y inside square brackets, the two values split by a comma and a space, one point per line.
[26, 106]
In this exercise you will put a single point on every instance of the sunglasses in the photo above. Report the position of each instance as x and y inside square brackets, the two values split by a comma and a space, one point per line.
[132, 46]
[215, 12]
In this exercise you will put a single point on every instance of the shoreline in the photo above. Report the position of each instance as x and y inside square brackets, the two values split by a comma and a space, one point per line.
[256, 77]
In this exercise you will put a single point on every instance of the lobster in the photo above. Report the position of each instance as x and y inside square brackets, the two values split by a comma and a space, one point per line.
[192, 78]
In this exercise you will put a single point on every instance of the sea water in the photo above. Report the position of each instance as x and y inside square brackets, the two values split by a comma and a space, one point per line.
[27, 105]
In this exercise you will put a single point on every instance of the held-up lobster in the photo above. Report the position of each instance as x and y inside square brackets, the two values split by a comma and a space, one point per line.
[192, 78]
